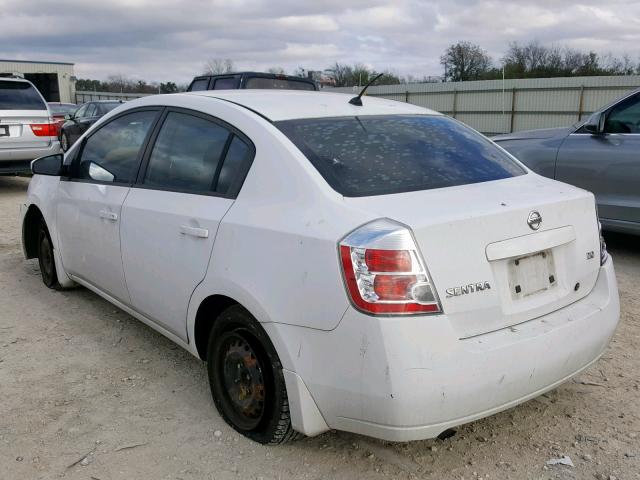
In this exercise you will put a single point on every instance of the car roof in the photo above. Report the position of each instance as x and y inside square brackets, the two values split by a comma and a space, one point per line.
[277, 105]
[14, 79]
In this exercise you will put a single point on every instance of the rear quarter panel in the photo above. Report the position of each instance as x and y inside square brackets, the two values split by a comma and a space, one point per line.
[276, 249]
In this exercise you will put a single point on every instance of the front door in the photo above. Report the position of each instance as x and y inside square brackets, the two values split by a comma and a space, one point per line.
[608, 164]
[171, 216]
[90, 201]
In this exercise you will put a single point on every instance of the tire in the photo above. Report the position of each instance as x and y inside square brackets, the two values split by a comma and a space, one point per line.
[46, 259]
[64, 142]
[245, 375]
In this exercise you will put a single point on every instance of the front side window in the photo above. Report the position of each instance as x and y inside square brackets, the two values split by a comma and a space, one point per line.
[624, 117]
[186, 154]
[19, 96]
[377, 155]
[111, 153]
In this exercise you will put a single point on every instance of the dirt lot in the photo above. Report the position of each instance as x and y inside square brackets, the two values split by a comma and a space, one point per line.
[87, 392]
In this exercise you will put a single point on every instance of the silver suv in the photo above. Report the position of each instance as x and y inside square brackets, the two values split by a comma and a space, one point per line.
[27, 130]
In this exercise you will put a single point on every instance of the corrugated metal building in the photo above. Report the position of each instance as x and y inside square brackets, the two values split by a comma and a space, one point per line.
[494, 106]
[55, 80]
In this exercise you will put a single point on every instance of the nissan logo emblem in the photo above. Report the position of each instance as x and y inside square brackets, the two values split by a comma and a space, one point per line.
[534, 220]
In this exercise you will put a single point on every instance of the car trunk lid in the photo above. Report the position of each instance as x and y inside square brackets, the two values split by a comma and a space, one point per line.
[15, 128]
[491, 269]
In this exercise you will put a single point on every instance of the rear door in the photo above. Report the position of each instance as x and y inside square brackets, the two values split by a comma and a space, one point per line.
[90, 200]
[21, 106]
[188, 182]
[608, 164]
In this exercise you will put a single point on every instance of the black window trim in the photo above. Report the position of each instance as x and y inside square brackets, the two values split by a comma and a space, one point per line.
[75, 162]
[233, 132]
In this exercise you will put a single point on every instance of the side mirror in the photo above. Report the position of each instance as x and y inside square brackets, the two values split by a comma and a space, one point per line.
[595, 124]
[49, 165]
[68, 116]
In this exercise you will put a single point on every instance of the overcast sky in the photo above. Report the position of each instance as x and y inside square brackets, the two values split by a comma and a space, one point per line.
[162, 40]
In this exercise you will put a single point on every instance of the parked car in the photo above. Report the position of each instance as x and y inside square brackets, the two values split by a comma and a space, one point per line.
[27, 130]
[251, 80]
[601, 154]
[80, 121]
[380, 269]
[61, 112]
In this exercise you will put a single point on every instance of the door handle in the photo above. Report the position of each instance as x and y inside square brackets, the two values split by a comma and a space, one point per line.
[107, 215]
[194, 231]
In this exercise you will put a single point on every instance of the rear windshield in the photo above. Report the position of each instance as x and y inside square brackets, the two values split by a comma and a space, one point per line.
[19, 96]
[107, 107]
[278, 84]
[377, 155]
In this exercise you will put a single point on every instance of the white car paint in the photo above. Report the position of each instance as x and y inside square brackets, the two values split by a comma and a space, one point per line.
[274, 249]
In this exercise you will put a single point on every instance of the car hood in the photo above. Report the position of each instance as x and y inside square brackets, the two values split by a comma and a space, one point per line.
[542, 133]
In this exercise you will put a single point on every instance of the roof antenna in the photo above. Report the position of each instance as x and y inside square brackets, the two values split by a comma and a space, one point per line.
[357, 101]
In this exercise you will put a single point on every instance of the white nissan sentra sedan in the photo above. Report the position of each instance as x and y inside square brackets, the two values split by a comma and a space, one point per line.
[379, 269]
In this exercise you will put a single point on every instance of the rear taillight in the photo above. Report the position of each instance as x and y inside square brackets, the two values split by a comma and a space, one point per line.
[384, 272]
[44, 129]
[604, 255]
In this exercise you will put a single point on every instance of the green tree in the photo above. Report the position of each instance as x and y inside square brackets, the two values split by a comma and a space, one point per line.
[465, 61]
[168, 87]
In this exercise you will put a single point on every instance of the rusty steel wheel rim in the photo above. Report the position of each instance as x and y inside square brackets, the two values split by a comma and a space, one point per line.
[242, 380]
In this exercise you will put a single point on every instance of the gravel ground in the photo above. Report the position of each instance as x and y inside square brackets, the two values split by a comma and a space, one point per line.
[87, 392]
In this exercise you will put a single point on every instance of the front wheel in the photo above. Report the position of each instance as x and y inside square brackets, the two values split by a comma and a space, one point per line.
[246, 379]
[46, 259]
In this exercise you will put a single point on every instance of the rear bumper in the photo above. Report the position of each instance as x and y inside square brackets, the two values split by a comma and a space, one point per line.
[18, 160]
[403, 379]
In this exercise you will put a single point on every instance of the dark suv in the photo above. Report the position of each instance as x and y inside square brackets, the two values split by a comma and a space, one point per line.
[257, 80]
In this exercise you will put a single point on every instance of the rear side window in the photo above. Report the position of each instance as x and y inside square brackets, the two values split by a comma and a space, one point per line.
[19, 96]
[228, 83]
[186, 154]
[111, 153]
[377, 155]
[277, 83]
[62, 109]
[91, 110]
[235, 167]
[198, 85]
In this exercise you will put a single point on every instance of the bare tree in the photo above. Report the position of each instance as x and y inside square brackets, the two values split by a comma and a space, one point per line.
[215, 66]
[465, 61]
[276, 70]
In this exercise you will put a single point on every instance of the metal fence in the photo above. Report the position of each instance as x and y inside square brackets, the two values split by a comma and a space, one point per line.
[88, 96]
[496, 106]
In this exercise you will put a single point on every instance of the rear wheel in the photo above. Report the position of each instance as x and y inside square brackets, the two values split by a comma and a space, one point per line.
[246, 379]
[64, 142]
[45, 258]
